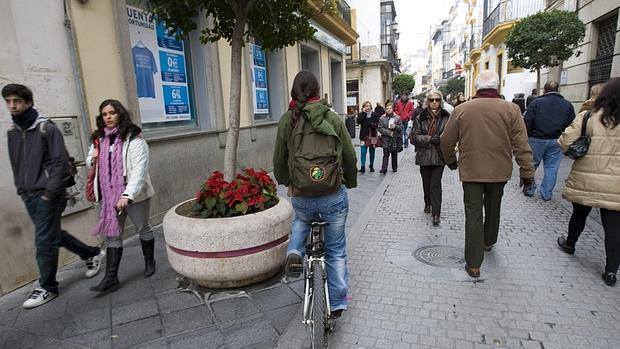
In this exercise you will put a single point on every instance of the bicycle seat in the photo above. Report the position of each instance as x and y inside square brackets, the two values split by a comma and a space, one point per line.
[319, 224]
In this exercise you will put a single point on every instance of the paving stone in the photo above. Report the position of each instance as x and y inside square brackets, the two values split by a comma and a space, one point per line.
[23, 339]
[280, 318]
[187, 320]
[100, 339]
[175, 300]
[136, 332]
[237, 308]
[204, 338]
[141, 309]
[74, 324]
[277, 297]
[246, 333]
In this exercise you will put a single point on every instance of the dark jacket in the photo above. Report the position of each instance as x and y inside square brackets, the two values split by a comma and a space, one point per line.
[324, 121]
[530, 99]
[548, 115]
[368, 125]
[391, 138]
[520, 102]
[427, 154]
[39, 161]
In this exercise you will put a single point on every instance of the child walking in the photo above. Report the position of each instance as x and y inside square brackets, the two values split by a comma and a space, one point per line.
[390, 128]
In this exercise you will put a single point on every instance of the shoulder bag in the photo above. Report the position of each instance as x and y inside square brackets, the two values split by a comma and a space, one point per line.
[579, 147]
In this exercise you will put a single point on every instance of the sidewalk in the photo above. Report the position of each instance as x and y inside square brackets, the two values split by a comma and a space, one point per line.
[530, 294]
[162, 311]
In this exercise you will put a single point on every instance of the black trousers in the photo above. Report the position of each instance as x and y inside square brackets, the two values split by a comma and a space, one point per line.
[611, 225]
[431, 183]
[386, 157]
[479, 233]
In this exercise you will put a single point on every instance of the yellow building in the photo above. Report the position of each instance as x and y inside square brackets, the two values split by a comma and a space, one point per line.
[74, 55]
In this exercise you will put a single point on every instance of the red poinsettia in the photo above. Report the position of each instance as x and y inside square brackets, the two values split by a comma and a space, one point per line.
[251, 191]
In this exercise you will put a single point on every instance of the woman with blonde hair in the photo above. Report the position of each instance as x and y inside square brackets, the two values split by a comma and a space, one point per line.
[425, 135]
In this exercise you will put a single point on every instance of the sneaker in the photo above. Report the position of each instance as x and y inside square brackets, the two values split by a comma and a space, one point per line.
[93, 265]
[38, 297]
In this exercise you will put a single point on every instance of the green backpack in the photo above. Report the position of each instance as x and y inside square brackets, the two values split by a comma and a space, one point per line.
[314, 165]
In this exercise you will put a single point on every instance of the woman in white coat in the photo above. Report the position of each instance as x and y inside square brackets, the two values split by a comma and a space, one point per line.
[122, 187]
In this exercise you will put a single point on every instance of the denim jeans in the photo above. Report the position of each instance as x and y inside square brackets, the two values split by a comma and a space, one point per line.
[405, 135]
[49, 237]
[548, 151]
[333, 209]
[364, 149]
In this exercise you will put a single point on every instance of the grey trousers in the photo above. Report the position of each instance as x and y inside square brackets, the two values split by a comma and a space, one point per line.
[139, 214]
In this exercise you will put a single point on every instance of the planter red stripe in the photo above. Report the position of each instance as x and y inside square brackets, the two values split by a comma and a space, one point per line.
[229, 254]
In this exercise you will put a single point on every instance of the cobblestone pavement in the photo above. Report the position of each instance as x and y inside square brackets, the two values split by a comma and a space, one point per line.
[530, 294]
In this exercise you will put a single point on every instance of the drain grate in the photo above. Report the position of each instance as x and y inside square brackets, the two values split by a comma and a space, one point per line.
[440, 256]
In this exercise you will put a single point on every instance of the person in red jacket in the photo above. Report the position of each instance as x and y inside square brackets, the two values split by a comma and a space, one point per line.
[404, 109]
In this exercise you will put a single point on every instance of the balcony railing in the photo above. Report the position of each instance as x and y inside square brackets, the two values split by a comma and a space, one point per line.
[475, 41]
[510, 10]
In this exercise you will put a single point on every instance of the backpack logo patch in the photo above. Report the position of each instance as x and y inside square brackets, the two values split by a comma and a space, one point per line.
[317, 173]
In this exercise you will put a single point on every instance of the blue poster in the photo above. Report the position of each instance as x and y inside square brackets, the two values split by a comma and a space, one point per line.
[259, 56]
[167, 40]
[144, 68]
[172, 67]
[260, 77]
[176, 99]
[262, 101]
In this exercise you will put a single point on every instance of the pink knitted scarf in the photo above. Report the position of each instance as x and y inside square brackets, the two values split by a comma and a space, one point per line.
[111, 182]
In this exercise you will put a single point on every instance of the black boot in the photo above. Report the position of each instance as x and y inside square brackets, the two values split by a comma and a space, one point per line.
[362, 170]
[110, 280]
[149, 260]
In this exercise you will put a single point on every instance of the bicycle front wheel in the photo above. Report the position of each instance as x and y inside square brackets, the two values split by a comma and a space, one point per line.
[319, 316]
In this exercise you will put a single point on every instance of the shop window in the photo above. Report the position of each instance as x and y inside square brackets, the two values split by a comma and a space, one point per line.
[164, 72]
[353, 97]
[268, 82]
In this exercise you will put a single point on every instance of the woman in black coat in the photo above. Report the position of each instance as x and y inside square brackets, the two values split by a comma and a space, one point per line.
[368, 120]
[425, 134]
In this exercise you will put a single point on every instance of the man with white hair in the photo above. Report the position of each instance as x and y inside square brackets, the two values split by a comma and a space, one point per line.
[488, 131]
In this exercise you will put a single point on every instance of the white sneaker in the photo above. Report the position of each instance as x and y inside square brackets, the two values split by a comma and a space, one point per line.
[93, 265]
[38, 297]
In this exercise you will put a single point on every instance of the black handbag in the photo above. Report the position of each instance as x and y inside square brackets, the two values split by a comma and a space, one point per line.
[579, 148]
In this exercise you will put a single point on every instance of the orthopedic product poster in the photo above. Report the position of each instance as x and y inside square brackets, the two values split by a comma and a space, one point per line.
[159, 67]
[260, 92]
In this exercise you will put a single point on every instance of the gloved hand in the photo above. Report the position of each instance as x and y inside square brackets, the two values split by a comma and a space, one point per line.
[434, 140]
[453, 166]
[526, 183]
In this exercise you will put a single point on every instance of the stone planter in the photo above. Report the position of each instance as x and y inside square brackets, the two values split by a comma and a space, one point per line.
[228, 252]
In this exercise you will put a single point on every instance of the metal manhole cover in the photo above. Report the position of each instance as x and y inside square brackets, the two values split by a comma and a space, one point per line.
[440, 256]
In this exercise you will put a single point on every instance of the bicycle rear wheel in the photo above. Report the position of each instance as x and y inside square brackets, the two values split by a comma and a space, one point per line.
[319, 316]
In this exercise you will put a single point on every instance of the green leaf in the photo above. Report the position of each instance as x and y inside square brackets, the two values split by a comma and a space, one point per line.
[210, 202]
[242, 207]
[403, 83]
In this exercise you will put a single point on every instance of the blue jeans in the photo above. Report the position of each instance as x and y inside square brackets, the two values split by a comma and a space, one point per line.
[332, 208]
[364, 149]
[49, 237]
[405, 134]
[548, 151]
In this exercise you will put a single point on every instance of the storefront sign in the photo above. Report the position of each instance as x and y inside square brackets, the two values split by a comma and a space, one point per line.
[328, 39]
[260, 87]
[159, 67]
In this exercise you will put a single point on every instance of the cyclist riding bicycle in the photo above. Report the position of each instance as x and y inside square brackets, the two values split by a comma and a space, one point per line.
[315, 159]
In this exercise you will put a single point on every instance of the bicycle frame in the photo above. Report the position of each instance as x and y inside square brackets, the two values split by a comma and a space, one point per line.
[315, 252]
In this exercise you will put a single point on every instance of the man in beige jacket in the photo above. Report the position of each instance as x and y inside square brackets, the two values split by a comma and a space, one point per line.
[488, 131]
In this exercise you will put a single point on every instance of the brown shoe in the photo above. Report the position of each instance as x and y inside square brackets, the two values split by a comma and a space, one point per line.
[336, 314]
[473, 272]
[427, 208]
[488, 248]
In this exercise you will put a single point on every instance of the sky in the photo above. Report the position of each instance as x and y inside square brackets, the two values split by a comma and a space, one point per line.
[414, 17]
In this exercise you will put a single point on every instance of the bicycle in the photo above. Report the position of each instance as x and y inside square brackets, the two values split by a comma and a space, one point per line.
[316, 294]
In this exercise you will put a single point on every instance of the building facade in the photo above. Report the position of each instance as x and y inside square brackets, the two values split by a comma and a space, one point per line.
[499, 17]
[176, 89]
[599, 59]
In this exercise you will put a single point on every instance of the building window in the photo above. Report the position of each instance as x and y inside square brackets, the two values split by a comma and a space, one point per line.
[600, 66]
[162, 68]
[267, 76]
[500, 69]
